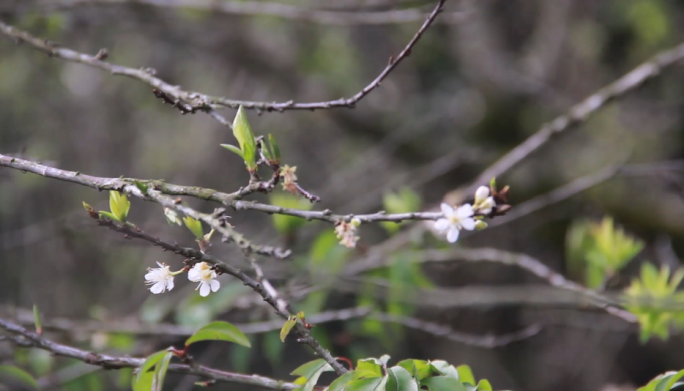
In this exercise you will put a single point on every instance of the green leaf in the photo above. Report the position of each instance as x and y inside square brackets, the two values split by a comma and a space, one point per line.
[171, 216]
[150, 362]
[141, 186]
[36, 320]
[219, 331]
[109, 215]
[465, 374]
[400, 380]
[234, 149]
[243, 133]
[671, 383]
[446, 369]
[370, 384]
[663, 382]
[341, 382]
[484, 385]
[195, 226]
[14, 375]
[311, 371]
[285, 330]
[142, 382]
[442, 383]
[160, 372]
[368, 368]
[266, 150]
[306, 370]
[119, 205]
[274, 147]
[418, 368]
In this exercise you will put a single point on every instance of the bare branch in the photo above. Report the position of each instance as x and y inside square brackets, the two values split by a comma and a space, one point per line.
[227, 199]
[258, 8]
[580, 112]
[263, 287]
[559, 194]
[25, 317]
[522, 261]
[30, 339]
[487, 341]
[194, 101]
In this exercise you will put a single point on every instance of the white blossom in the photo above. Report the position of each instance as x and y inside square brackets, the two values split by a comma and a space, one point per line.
[455, 220]
[203, 273]
[159, 278]
[483, 202]
[481, 193]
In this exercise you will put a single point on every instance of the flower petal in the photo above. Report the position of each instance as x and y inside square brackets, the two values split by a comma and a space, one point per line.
[452, 235]
[442, 225]
[481, 193]
[194, 275]
[447, 209]
[161, 265]
[463, 211]
[169, 283]
[204, 289]
[157, 288]
[151, 276]
[468, 224]
[215, 285]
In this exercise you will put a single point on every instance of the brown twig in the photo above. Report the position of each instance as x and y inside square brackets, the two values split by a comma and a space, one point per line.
[262, 287]
[228, 199]
[579, 113]
[30, 339]
[522, 261]
[254, 8]
[206, 102]
[488, 341]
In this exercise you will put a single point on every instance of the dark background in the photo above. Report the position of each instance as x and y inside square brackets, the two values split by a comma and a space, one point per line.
[473, 88]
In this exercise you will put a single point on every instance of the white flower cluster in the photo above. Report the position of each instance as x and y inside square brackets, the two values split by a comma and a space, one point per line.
[465, 216]
[161, 278]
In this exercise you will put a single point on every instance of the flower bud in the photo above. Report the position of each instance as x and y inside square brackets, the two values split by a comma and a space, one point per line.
[481, 194]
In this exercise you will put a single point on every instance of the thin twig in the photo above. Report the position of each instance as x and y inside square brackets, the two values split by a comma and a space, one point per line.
[197, 101]
[267, 292]
[486, 341]
[559, 194]
[258, 8]
[522, 261]
[25, 317]
[227, 199]
[579, 113]
[31, 339]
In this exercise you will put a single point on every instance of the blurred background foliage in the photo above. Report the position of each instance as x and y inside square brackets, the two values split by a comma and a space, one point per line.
[470, 91]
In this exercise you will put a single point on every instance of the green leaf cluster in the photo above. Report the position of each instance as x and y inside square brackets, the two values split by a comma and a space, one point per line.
[271, 150]
[373, 374]
[119, 205]
[248, 146]
[665, 382]
[653, 298]
[147, 380]
[599, 251]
